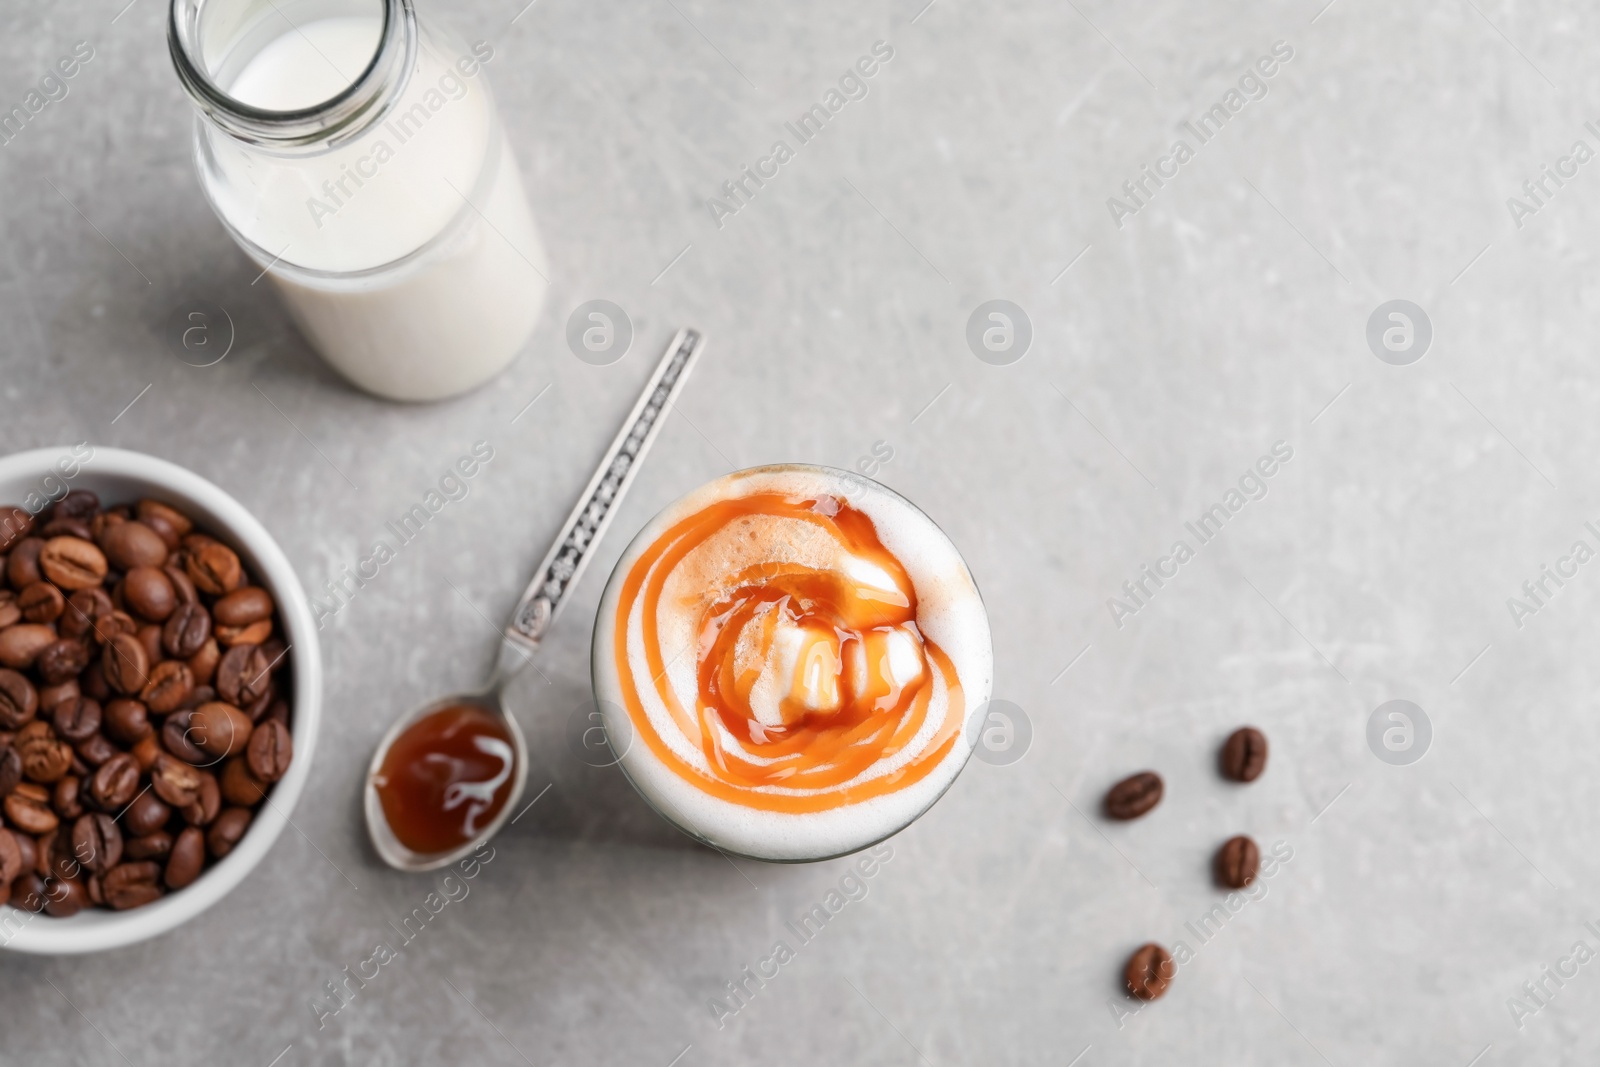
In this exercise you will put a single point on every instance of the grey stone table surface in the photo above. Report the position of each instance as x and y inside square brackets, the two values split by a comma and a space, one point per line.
[1422, 913]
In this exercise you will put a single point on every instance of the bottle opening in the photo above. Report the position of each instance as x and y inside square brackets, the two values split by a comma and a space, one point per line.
[291, 71]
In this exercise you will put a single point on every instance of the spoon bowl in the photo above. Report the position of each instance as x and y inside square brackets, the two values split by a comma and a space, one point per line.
[540, 603]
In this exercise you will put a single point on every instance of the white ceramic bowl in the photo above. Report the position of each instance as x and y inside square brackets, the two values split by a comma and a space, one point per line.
[120, 477]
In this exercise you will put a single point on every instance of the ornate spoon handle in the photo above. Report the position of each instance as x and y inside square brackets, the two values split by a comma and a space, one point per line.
[574, 545]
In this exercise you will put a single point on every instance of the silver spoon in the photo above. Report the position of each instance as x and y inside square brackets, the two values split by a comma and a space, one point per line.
[542, 601]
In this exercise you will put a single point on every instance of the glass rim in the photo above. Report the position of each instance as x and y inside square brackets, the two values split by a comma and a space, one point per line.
[321, 123]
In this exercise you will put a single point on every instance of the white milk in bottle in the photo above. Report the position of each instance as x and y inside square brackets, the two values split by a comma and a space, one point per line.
[357, 156]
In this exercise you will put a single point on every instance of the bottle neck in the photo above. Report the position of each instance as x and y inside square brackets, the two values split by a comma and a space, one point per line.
[212, 40]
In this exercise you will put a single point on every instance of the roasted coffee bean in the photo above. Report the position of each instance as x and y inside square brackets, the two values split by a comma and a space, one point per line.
[152, 846]
[148, 509]
[11, 859]
[129, 885]
[93, 683]
[28, 846]
[22, 566]
[253, 634]
[1149, 972]
[55, 854]
[214, 568]
[102, 523]
[203, 664]
[83, 609]
[66, 528]
[277, 709]
[169, 687]
[148, 592]
[114, 782]
[244, 675]
[78, 504]
[1133, 796]
[1238, 860]
[174, 781]
[115, 623]
[95, 749]
[96, 842]
[226, 831]
[149, 636]
[20, 644]
[10, 769]
[65, 897]
[91, 884]
[1244, 756]
[182, 588]
[126, 664]
[15, 524]
[188, 856]
[133, 544]
[145, 752]
[67, 797]
[19, 700]
[27, 807]
[239, 786]
[76, 720]
[243, 607]
[72, 562]
[270, 751]
[10, 610]
[220, 729]
[61, 661]
[178, 738]
[45, 758]
[200, 694]
[207, 802]
[51, 695]
[28, 892]
[146, 814]
[41, 602]
[127, 721]
[186, 630]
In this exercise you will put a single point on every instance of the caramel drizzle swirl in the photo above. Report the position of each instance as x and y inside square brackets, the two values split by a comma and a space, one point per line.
[813, 761]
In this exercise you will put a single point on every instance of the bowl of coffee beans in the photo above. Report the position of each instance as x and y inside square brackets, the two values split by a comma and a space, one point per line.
[160, 692]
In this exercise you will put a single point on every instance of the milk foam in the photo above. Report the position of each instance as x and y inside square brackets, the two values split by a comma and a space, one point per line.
[950, 614]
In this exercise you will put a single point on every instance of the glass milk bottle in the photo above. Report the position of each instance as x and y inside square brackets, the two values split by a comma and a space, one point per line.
[356, 155]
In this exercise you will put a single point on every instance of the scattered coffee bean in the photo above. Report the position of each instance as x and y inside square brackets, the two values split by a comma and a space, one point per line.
[1133, 796]
[177, 737]
[1244, 755]
[133, 544]
[1149, 972]
[11, 860]
[10, 769]
[66, 898]
[61, 661]
[1238, 860]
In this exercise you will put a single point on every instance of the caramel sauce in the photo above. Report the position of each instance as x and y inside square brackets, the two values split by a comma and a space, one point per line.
[445, 778]
[867, 716]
